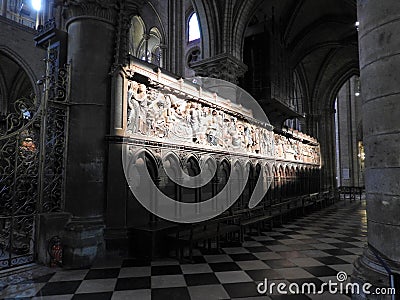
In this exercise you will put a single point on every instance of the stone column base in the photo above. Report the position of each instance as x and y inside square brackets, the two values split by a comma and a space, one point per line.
[50, 225]
[117, 241]
[368, 269]
[83, 242]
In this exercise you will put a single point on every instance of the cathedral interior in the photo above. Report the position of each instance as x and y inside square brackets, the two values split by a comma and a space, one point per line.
[199, 149]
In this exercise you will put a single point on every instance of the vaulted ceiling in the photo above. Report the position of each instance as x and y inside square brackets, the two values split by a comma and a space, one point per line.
[321, 37]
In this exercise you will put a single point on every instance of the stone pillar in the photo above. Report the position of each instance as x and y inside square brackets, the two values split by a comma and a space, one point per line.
[91, 36]
[164, 52]
[327, 149]
[176, 37]
[223, 66]
[4, 8]
[147, 55]
[116, 232]
[379, 36]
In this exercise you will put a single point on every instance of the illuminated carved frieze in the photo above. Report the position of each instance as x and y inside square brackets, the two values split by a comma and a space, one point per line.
[291, 149]
[161, 115]
[181, 113]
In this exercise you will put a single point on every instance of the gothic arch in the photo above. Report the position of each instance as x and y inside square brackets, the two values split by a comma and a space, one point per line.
[18, 59]
[174, 162]
[151, 162]
[135, 36]
[337, 82]
[205, 27]
[192, 165]
[161, 27]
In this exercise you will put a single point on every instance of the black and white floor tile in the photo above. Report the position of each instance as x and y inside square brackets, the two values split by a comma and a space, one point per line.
[311, 249]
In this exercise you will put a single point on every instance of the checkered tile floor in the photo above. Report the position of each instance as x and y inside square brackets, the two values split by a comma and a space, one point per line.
[310, 249]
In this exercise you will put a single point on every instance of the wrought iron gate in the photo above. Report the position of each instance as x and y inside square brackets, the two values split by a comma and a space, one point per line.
[32, 160]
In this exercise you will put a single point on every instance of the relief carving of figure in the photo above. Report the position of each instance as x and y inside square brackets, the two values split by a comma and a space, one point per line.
[219, 118]
[194, 115]
[159, 125]
[133, 108]
[279, 151]
[179, 127]
[212, 128]
[256, 140]
[233, 131]
[248, 141]
[241, 137]
[203, 117]
[140, 95]
[226, 135]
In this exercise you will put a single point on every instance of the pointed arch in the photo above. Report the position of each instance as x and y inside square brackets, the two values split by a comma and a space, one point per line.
[192, 166]
[22, 63]
[136, 34]
[193, 28]
[171, 161]
[206, 28]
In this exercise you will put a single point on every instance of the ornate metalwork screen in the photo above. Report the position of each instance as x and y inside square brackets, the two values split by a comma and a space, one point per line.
[32, 159]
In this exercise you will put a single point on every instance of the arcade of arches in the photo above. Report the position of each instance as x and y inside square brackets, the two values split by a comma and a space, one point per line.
[82, 80]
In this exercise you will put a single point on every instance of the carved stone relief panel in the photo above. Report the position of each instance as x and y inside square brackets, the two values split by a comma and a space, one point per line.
[165, 116]
[287, 148]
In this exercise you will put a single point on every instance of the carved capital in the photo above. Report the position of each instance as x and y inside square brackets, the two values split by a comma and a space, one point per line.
[132, 7]
[101, 9]
[223, 66]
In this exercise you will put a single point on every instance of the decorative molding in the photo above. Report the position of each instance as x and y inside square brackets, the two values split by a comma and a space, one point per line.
[121, 38]
[223, 66]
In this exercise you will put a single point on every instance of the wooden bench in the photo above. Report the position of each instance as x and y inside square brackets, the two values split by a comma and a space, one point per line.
[279, 209]
[307, 201]
[256, 216]
[329, 197]
[191, 234]
[350, 192]
[319, 200]
[295, 204]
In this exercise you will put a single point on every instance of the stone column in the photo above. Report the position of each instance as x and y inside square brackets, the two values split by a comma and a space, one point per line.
[327, 149]
[116, 232]
[164, 52]
[379, 36]
[176, 37]
[146, 38]
[91, 36]
[119, 198]
[4, 8]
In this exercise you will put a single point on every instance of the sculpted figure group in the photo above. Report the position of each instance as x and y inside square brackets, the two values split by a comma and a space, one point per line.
[165, 116]
[292, 149]
[159, 115]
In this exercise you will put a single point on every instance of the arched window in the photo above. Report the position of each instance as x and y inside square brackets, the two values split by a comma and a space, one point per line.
[149, 49]
[145, 45]
[136, 33]
[193, 28]
[154, 43]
